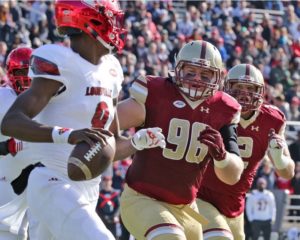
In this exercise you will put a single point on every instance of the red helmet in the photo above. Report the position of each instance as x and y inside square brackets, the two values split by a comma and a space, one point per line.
[18, 59]
[100, 19]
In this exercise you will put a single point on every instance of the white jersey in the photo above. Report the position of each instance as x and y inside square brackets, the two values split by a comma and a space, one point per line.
[261, 206]
[84, 100]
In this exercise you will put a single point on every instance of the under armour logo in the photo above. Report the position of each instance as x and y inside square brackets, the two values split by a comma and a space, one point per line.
[255, 128]
[53, 179]
[203, 109]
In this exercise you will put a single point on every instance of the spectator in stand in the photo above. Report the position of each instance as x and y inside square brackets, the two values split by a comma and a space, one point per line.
[186, 26]
[294, 109]
[236, 55]
[296, 188]
[108, 204]
[141, 50]
[290, 19]
[293, 91]
[222, 49]
[152, 60]
[266, 170]
[3, 53]
[261, 210]
[267, 27]
[279, 101]
[295, 47]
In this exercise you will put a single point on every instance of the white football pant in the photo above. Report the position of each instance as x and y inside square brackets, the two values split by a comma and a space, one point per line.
[6, 195]
[61, 210]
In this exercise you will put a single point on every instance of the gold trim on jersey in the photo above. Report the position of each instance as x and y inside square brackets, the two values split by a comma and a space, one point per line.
[246, 123]
[193, 104]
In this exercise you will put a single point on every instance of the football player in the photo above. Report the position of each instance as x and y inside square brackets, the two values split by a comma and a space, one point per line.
[260, 131]
[199, 124]
[72, 98]
[15, 153]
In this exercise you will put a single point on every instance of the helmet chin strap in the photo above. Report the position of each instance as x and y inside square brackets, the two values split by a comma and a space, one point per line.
[106, 45]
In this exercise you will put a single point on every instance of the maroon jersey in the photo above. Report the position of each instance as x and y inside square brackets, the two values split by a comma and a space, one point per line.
[253, 144]
[173, 174]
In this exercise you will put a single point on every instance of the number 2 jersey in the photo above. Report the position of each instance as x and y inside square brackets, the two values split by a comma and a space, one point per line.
[253, 144]
[85, 99]
[173, 174]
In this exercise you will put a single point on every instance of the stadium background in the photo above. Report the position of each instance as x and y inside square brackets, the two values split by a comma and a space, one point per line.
[263, 33]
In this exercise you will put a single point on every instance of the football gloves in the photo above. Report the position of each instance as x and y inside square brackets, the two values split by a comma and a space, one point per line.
[11, 146]
[214, 141]
[276, 146]
[14, 146]
[148, 138]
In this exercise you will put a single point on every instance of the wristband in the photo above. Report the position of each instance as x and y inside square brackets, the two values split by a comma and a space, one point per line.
[61, 135]
[222, 163]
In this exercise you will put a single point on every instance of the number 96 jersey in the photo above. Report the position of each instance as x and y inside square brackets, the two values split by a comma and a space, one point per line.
[85, 99]
[173, 174]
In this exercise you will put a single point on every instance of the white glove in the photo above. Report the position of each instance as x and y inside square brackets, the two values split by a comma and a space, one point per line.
[276, 146]
[148, 138]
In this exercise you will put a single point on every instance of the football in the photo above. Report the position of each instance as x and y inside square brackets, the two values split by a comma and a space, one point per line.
[86, 162]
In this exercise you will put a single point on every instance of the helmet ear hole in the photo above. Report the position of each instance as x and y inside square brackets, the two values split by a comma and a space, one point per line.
[95, 22]
[69, 31]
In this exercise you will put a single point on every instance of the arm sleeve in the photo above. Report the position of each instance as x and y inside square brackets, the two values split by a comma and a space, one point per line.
[229, 134]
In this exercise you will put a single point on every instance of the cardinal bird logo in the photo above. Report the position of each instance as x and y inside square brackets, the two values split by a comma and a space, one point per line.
[63, 130]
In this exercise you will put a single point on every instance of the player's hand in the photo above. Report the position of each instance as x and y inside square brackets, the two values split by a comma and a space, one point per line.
[90, 136]
[148, 138]
[276, 144]
[14, 146]
[214, 141]
[275, 140]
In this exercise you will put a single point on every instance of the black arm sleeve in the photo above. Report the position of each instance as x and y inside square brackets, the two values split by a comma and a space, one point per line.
[229, 134]
[3, 148]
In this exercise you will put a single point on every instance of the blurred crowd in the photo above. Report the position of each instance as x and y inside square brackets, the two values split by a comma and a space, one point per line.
[157, 30]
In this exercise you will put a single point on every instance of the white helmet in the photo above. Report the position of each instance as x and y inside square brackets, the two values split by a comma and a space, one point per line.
[205, 56]
[250, 75]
